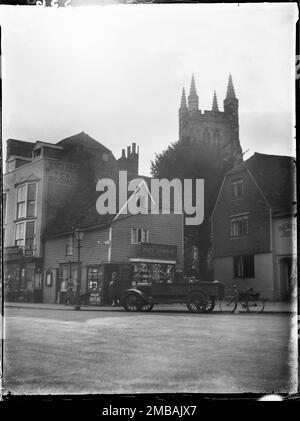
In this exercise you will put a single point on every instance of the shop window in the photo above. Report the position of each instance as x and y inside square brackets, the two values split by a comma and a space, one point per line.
[237, 188]
[152, 273]
[139, 235]
[239, 226]
[95, 284]
[70, 245]
[243, 266]
[26, 198]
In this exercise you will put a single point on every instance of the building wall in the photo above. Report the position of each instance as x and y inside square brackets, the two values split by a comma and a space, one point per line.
[60, 181]
[285, 236]
[262, 282]
[163, 229]
[259, 238]
[9, 180]
[285, 257]
[93, 251]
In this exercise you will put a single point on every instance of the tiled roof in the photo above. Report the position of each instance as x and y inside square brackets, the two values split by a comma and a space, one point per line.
[81, 139]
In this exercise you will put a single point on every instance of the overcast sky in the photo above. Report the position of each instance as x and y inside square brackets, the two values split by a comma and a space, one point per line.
[116, 72]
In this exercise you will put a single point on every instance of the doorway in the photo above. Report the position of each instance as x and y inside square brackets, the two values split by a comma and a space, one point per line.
[285, 267]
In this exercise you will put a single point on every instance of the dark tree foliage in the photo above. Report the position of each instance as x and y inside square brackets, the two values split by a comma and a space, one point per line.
[194, 161]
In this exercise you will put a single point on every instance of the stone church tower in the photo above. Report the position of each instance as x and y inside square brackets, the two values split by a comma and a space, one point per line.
[214, 129]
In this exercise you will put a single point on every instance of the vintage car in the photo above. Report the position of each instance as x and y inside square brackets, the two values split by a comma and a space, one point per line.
[199, 296]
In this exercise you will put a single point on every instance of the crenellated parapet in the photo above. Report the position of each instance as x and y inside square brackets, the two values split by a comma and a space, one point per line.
[215, 128]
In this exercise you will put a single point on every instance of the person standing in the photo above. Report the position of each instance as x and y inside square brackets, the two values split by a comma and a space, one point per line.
[70, 293]
[113, 288]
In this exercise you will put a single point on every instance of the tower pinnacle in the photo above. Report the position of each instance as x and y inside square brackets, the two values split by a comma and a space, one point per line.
[193, 100]
[183, 106]
[215, 106]
[230, 89]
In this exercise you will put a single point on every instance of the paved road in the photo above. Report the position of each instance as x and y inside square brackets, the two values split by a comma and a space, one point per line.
[57, 351]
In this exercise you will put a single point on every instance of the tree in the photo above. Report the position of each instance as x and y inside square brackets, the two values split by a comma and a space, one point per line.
[200, 161]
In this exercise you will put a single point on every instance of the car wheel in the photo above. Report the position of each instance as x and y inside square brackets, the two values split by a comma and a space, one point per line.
[210, 305]
[133, 302]
[197, 302]
[147, 307]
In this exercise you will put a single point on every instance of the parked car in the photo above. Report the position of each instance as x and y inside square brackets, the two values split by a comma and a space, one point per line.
[199, 296]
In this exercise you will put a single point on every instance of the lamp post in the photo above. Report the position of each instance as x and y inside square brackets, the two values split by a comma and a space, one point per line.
[79, 236]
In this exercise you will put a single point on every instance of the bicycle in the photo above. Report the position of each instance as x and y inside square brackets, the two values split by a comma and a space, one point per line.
[249, 300]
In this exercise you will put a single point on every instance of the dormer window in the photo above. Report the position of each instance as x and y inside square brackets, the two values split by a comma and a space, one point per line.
[237, 188]
[37, 152]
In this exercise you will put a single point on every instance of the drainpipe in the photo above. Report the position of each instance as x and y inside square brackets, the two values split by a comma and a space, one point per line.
[110, 244]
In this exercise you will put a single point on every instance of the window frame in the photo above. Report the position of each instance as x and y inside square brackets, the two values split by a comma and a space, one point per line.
[235, 188]
[26, 201]
[243, 269]
[236, 226]
[139, 235]
[24, 223]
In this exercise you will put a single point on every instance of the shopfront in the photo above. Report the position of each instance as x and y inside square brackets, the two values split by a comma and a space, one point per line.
[22, 276]
[99, 277]
[154, 263]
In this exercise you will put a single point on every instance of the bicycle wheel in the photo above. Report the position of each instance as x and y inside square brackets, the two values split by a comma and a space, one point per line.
[228, 304]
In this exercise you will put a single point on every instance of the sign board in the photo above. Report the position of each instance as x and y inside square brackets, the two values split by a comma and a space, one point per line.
[158, 251]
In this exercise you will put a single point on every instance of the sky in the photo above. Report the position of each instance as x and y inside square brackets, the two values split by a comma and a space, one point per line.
[116, 72]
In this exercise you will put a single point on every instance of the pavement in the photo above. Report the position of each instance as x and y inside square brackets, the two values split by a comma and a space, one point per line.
[277, 307]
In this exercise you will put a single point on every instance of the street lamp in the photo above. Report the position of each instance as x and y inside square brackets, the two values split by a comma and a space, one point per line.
[79, 236]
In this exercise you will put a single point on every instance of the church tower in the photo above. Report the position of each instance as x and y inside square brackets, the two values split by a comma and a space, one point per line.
[215, 129]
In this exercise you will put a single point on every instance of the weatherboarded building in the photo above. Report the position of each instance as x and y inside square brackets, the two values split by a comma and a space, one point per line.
[254, 227]
[49, 191]
[139, 248]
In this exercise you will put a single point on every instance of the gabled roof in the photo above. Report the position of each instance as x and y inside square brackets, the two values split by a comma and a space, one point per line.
[81, 139]
[27, 179]
[275, 176]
